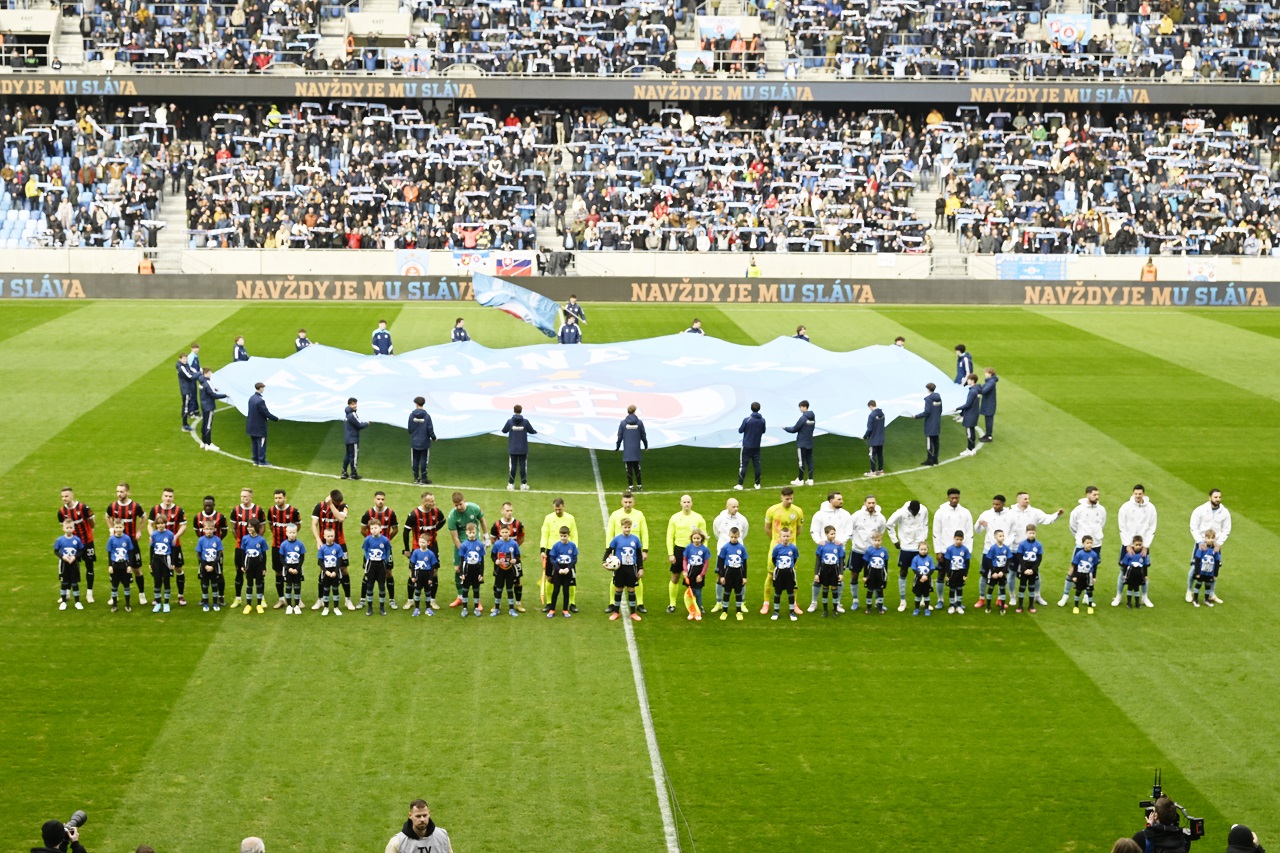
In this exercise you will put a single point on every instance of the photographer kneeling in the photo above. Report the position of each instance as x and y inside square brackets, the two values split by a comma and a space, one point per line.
[1162, 833]
[59, 837]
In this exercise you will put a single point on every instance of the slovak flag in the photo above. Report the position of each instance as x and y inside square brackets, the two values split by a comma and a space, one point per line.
[534, 308]
[512, 266]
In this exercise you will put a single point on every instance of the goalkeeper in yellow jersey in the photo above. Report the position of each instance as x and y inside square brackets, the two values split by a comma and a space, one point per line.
[784, 515]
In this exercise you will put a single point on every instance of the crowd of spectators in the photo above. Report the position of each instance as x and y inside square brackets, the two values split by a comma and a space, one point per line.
[1135, 39]
[1136, 183]
[1130, 39]
[361, 175]
[76, 177]
[372, 175]
[782, 181]
[246, 35]
[533, 37]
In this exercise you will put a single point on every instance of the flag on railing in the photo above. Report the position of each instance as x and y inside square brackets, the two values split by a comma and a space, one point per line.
[534, 308]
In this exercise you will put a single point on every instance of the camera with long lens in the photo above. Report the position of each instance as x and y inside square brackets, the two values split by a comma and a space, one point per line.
[1194, 830]
[78, 818]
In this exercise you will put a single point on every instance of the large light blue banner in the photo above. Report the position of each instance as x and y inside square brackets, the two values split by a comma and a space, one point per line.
[689, 389]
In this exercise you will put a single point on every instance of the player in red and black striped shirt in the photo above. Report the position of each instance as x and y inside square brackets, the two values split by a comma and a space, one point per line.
[429, 520]
[128, 512]
[329, 515]
[280, 516]
[167, 515]
[386, 516]
[211, 517]
[508, 519]
[81, 516]
[245, 513]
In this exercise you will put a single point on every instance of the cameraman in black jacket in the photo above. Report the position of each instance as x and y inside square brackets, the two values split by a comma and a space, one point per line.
[1162, 833]
[59, 838]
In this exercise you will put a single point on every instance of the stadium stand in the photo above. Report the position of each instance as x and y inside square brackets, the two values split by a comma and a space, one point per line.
[378, 175]
[224, 36]
[530, 37]
[369, 175]
[81, 179]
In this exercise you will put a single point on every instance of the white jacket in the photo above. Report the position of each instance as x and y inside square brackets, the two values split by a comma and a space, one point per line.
[1020, 518]
[909, 530]
[994, 521]
[1205, 517]
[720, 527]
[1137, 519]
[946, 521]
[840, 519]
[1088, 520]
[865, 525]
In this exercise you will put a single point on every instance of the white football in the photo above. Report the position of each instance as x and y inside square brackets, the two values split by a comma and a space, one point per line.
[611, 563]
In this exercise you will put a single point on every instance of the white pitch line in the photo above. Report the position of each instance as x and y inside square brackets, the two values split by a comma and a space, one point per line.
[660, 782]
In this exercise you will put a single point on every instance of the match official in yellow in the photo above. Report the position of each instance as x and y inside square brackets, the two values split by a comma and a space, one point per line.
[784, 515]
[639, 528]
[679, 529]
[551, 525]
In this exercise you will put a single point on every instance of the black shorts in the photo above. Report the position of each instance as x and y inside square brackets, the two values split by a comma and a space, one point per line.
[829, 575]
[957, 577]
[255, 567]
[625, 577]
[784, 580]
[69, 573]
[277, 560]
[504, 578]
[120, 572]
[210, 569]
[921, 587]
[135, 557]
[905, 557]
[998, 577]
[295, 578]
[90, 555]
[857, 562]
[1084, 582]
[160, 567]
[733, 578]
[471, 576]
[239, 559]
[345, 562]
[876, 579]
[327, 582]
[1203, 578]
[178, 560]
[376, 570]
[1028, 579]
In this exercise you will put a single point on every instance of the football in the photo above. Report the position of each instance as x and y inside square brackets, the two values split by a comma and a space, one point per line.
[611, 563]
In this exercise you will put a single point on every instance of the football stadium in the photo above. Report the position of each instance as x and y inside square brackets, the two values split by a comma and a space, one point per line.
[639, 426]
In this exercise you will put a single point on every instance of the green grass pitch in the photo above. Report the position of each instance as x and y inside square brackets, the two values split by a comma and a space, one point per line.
[973, 733]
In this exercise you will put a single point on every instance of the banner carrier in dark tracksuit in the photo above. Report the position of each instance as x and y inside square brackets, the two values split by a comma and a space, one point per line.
[421, 434]
[255, 426]
[518, 430]
[351, 427]
[209, 397]
[804, 443]
[632, 441]
[932, 416]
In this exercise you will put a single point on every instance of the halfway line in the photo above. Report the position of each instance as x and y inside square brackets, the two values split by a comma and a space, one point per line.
[660, 783]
